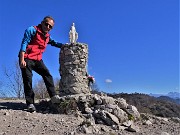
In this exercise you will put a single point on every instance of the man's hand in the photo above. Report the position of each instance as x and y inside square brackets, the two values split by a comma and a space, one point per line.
[22, 64]
[22, 61]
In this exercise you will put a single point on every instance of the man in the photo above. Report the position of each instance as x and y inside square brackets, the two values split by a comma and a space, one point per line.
[33, 45]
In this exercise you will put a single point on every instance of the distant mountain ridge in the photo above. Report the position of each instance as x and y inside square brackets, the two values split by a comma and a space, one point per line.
[174, 95]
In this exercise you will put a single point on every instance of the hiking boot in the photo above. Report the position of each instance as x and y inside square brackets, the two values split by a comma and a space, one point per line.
[55, 99]
[31, 108]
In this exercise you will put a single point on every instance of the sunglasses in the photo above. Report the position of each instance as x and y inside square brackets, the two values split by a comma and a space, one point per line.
[47, 24]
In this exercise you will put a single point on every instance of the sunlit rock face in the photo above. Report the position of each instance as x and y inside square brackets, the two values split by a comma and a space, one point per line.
[73, 69]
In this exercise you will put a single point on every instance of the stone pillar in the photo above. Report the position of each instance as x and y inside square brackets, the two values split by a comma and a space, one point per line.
[73, 69]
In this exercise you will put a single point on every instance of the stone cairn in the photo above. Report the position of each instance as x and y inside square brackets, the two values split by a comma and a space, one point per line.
[73, 71]
[76, 97]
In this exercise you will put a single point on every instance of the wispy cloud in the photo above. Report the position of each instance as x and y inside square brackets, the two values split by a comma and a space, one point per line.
[108, 81]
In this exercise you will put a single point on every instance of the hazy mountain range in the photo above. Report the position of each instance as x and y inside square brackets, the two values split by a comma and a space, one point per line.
[171, 96]
[174, 95]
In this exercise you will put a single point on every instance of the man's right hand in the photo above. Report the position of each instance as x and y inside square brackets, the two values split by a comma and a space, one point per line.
[22, 61]
[22, 64]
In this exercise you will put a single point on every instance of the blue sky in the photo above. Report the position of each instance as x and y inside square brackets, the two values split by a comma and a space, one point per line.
[133, 44]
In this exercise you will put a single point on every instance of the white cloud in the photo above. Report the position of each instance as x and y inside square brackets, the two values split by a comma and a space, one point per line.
[108, 81]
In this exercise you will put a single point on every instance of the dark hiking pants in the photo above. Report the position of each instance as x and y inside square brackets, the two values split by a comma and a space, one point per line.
[40, 68]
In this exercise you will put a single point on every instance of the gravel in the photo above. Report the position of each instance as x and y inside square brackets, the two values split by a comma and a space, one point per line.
[15, 120]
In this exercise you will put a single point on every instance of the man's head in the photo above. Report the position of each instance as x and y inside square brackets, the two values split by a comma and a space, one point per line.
[47, 24]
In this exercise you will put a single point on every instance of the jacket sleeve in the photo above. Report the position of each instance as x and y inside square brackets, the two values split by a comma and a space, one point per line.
[28, 34]
[54, 43]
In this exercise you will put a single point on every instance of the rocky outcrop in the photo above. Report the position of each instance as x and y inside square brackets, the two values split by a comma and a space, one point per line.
[99, 109]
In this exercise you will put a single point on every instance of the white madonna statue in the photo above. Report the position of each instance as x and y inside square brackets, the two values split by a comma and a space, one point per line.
[73, 35]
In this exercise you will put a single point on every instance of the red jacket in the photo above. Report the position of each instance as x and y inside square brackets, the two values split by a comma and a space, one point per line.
[37, 45]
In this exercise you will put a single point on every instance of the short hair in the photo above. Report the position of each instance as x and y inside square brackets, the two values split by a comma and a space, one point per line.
[48, 17]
